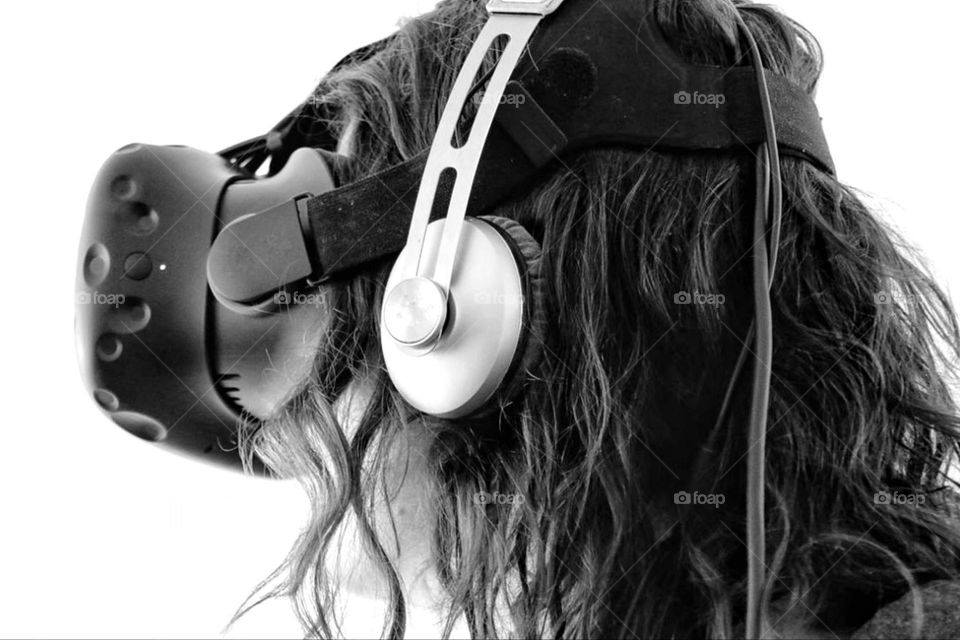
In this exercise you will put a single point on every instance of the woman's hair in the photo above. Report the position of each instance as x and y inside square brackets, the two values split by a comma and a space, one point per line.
[618, 414]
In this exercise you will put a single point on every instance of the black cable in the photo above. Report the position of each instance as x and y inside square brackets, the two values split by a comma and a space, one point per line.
[759, 405]
[767, 218]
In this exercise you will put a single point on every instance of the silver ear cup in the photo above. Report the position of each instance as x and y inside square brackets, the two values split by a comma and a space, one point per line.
[461, 370]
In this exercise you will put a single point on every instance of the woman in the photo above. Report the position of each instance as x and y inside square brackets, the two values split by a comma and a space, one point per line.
[605, 499]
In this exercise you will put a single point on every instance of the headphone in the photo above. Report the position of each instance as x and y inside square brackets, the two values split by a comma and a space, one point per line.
[448, 349]
[198, 281]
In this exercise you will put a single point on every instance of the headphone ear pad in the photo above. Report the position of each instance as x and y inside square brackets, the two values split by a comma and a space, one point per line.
[529, 261]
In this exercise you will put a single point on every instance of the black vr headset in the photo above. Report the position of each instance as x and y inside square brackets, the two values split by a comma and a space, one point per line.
[198, 277]
[192, 267]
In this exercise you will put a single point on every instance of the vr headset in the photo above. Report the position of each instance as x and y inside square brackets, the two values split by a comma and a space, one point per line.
[197, 278]
[192, 268]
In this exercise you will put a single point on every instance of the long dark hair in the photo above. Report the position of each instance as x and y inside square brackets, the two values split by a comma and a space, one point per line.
[629, 518]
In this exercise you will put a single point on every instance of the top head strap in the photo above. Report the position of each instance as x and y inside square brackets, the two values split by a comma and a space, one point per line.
[596, 74]
[629, 87]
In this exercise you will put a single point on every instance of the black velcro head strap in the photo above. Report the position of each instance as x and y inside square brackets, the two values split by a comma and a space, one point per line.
[645, 95]
[598, 74]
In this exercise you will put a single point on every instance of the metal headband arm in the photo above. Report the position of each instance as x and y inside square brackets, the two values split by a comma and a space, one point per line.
[517, 20]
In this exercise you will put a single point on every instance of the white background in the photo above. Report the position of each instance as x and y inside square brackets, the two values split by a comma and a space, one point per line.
[102, 535]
